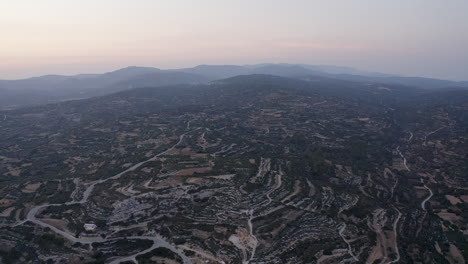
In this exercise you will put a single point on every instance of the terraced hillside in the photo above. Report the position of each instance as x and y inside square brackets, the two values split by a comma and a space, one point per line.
[252, 169]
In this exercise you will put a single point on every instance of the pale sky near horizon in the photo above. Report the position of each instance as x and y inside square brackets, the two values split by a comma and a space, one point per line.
[409, 37]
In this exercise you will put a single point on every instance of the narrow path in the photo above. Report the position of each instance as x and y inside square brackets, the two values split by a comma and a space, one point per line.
[430, 133]
[403, 157]
[343, 228]
[350, 249]
[395, 225]
[319, 103]
[393, 189]
[157, 241]
[255, 244]
[203, 254]
[278, 184]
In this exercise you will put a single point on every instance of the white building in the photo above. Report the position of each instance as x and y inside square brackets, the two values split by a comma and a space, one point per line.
[90, 227]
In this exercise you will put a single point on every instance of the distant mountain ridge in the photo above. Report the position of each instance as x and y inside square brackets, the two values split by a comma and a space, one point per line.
[52, 88]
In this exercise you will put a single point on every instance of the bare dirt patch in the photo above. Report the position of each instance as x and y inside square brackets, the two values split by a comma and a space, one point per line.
[328, 259]
[14, 172]
[58, 223]
[455, 256]
[147, 170]
[464, 198]
[452, 199]
[34, 115]
[223, 177]
[6, 159]
[7, 212]
[451, 217]
[172, 181]
[297, 190]
[32, 187]
[188, 172]
[6, 202]
[194, 180]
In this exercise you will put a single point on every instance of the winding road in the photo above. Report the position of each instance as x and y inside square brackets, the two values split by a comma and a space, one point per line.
[404, 163]
[157, 241]
[395, 224]
[423, 203]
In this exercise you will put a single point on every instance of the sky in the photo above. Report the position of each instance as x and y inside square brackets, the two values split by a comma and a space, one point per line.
[409, 37]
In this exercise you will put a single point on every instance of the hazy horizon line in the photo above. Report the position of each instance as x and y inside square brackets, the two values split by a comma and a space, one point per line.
[113, 69]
